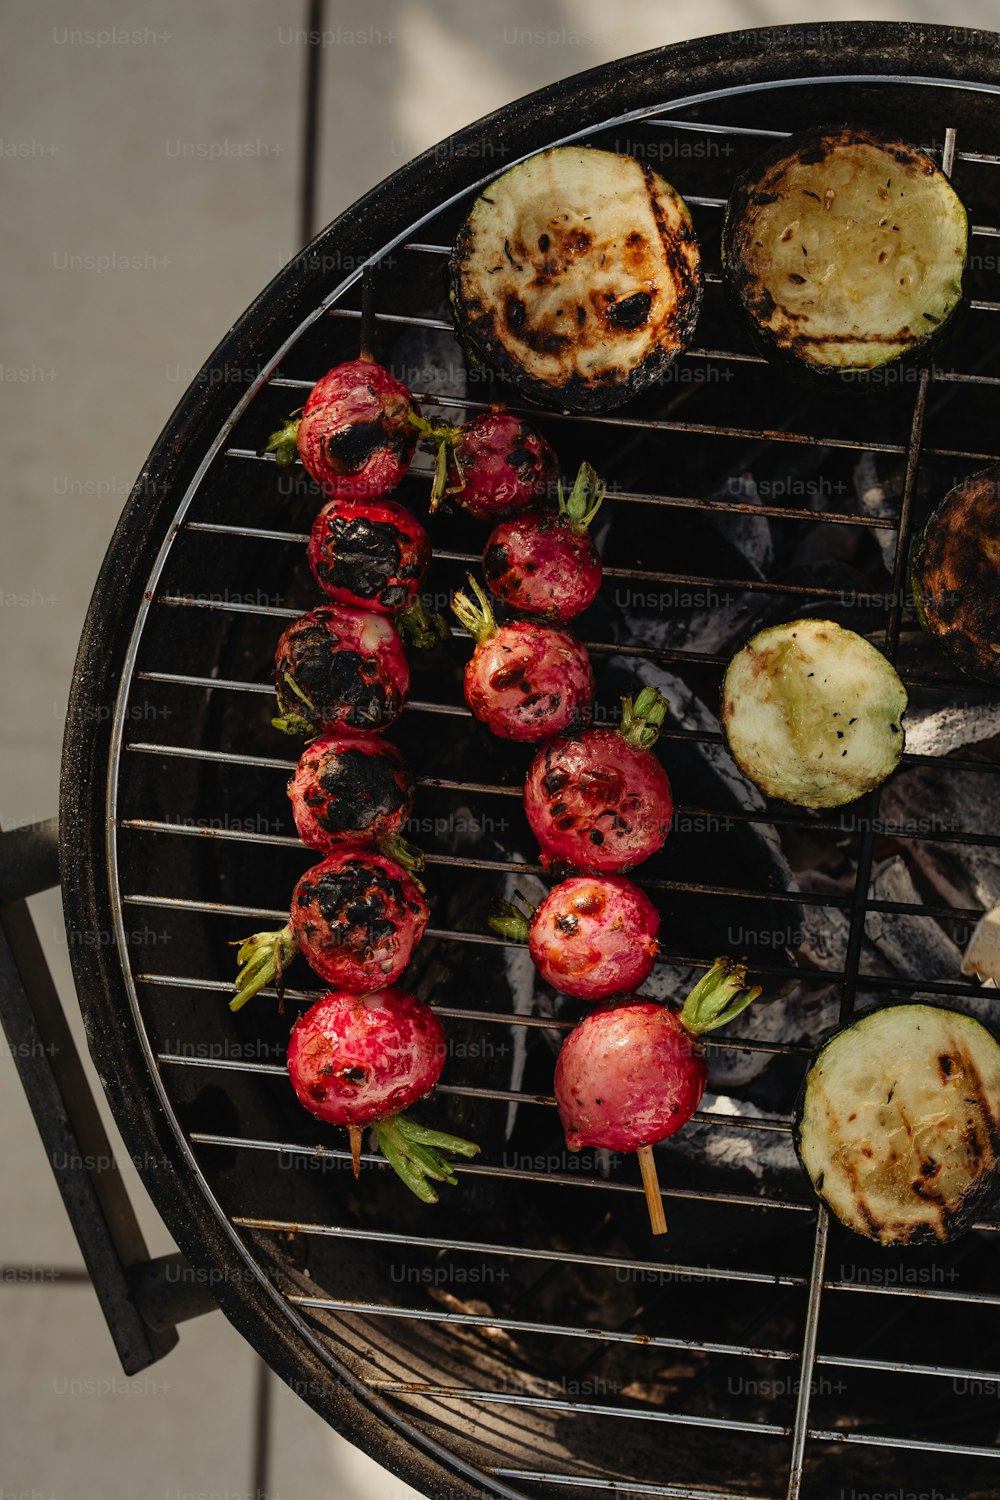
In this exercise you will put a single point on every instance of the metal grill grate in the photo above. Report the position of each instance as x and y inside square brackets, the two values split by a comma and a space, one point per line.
[195, 804]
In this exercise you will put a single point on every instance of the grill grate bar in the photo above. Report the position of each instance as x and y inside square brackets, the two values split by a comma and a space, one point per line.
[931, 1294]
[809, 1339]
[650, 575]
[624, 497]
[651, 424]
[465, 1091]
[227, 757]
[860, 903]
[530, 1325]
[776, 818]
[258, 533]
[903, 1367]
[694, 736]
[908, 1445]
[510, 1174]
[457, 935]
[502, 1018]
[521, 867]
[619, 1486]
[520, 1252]
[593, 1408]
[678, 960]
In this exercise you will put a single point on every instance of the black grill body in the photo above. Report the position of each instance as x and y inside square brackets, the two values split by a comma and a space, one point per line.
[526, 1337]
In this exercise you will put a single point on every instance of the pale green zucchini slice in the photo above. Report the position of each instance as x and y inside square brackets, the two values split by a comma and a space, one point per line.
[846, 251]
[898, 1123]
[812, 713]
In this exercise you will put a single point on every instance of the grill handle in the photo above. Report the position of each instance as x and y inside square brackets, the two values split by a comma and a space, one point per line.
[140, 1299]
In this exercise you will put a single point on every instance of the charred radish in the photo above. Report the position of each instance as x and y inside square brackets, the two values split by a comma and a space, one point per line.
[546, 564]
[374, 554]
[492, 466]
[812, 713]
[591, 937]
[577, 277]
[360, 1060]
[354, 436]
[339, 669]
[898, 1123]
[353, 789]
[356, 918]
[599, 800]
[524, 681]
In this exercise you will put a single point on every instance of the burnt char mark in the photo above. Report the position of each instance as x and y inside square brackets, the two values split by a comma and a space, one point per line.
[555, 777]
[358, 791]
[523, 460]
[496, 561]
[361, 555]
[358, 907]
[514, 314]
[348, 448]
[514, 676]
[686, 281]
[631, 312]
[339, 683]
[874, 1228]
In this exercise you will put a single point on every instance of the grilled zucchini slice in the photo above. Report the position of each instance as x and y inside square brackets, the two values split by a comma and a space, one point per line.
[845, 251]
[577, 277]
[898, 1123]
[812, 713]
[955, 574]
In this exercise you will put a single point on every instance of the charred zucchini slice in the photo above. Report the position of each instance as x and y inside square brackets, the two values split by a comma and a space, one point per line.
[812, 712]
[898, 1123]
[955, 574]
[577, 277]
[844, 250]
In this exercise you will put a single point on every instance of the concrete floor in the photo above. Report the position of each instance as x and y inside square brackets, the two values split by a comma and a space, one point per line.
[150, 165]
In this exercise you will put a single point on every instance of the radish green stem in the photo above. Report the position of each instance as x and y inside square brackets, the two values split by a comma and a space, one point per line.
[718, 997]
[421, 627]
[479, 620]
[584, 500]
[511, 922]
[414, 1153]
[262, 958]
[295, 723]
[283, 443]
[642, 717]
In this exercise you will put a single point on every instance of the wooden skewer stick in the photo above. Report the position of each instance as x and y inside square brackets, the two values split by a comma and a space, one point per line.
[354, 1131]
[650, 1181]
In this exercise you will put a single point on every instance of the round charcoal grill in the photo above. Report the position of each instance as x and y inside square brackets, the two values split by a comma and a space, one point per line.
[527, 1336]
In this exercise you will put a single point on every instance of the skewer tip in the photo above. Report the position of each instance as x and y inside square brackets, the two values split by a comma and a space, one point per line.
[651, 1183]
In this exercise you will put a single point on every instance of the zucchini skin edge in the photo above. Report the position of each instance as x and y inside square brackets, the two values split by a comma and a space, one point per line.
[965, 662]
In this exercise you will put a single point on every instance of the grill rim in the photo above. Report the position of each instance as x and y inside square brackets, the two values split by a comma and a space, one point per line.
[793, 55]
